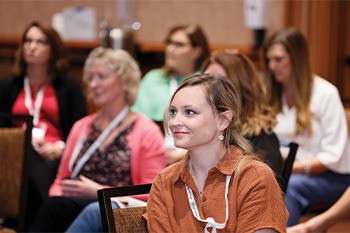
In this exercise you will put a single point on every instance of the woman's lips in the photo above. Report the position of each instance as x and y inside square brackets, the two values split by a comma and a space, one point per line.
[179, 133]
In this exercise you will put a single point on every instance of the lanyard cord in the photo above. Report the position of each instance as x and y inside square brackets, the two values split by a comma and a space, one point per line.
[172, 85]
[35, 112]
[210, 221]
[97, 143]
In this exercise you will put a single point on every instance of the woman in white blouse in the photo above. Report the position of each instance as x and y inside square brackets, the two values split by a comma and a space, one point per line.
[310, 113]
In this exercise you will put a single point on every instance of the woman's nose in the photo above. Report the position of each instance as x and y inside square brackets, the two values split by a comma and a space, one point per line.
[93, 82]
[176, 120]
[272, 65]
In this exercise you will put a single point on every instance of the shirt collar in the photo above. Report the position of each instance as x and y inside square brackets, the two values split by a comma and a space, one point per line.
[226, 166]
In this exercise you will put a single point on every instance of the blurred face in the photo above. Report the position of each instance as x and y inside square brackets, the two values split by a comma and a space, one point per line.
[105, 87]
[36, 49]
[193, 123]
[215, 68]
[280, 63]
[179, 53]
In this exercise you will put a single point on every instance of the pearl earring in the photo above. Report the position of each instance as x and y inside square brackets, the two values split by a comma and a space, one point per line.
[221, 137]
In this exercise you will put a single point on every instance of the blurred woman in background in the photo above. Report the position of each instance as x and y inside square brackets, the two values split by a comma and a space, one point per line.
[257, 117]
[310, 113]
[113, 147]
[186, 49]
[40, 86]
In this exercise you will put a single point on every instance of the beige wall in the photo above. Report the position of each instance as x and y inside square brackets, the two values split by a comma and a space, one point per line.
[222, 20]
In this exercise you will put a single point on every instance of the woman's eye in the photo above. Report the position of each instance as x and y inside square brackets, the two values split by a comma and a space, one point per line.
[190, 112]
[89, 78]
[172, 112]
[103, 76]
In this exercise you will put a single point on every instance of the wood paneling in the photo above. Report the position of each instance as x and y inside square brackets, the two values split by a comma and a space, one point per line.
[324, 25]
[222, 20]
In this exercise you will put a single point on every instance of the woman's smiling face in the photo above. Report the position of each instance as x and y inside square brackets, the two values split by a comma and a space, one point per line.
[193, 122]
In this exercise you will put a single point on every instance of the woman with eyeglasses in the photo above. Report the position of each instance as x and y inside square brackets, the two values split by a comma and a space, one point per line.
[186, 49]
[40, 86]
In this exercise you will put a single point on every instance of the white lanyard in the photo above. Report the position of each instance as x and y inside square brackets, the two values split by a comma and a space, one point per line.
[210, 221]
[97, 143]
[35, 112]
[172, 85]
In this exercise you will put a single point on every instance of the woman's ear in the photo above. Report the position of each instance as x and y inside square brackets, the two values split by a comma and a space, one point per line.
[224, 119]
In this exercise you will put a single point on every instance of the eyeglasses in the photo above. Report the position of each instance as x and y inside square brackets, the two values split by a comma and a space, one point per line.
[40, 42]
[97, 76]
[176, 44]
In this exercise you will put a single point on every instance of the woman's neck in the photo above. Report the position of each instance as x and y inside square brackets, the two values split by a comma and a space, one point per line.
[37, 75]
[184, 72]
[108, 114]
[289, 93]
[201, 161]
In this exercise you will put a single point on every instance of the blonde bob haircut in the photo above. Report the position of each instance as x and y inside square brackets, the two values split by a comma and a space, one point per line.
[124, 66]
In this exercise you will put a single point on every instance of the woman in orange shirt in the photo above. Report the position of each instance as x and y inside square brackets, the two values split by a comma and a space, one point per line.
[218, 186]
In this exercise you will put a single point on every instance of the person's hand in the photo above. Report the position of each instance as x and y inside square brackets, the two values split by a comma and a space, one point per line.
[84, 187]
[47, 150]
[315, 224]
[300, 228]
[298, 167]
[312, 225]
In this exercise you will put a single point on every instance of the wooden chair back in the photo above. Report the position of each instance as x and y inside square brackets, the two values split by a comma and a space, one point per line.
[126, 219]
[15, 147]
[130, 220]
[288, 165]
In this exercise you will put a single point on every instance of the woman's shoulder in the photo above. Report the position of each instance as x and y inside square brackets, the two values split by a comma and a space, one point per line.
[172, 172]
[144, 125]
[263, 136]
[154, 74]
[83, 122]
[145, 122]
[9, 80]
[324, 94]
[68, 81]
[324, 86]
[256, 169]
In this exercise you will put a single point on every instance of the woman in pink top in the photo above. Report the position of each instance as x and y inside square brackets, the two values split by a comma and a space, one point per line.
[113, 147]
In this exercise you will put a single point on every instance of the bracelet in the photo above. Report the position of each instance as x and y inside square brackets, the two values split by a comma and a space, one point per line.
[307, 169]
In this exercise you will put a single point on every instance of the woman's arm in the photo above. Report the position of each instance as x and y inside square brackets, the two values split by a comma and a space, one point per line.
[269, 230]
[327, 219]
[260, 203]
[310, 167]
[157, 213]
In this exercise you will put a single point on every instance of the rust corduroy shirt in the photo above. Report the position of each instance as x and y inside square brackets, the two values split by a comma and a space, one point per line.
[255, 199]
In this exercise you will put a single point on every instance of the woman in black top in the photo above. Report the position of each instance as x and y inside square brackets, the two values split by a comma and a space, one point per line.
[40, 86]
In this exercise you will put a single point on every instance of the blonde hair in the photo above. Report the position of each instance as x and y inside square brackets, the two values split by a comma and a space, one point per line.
[296, 46]
[125, 67]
